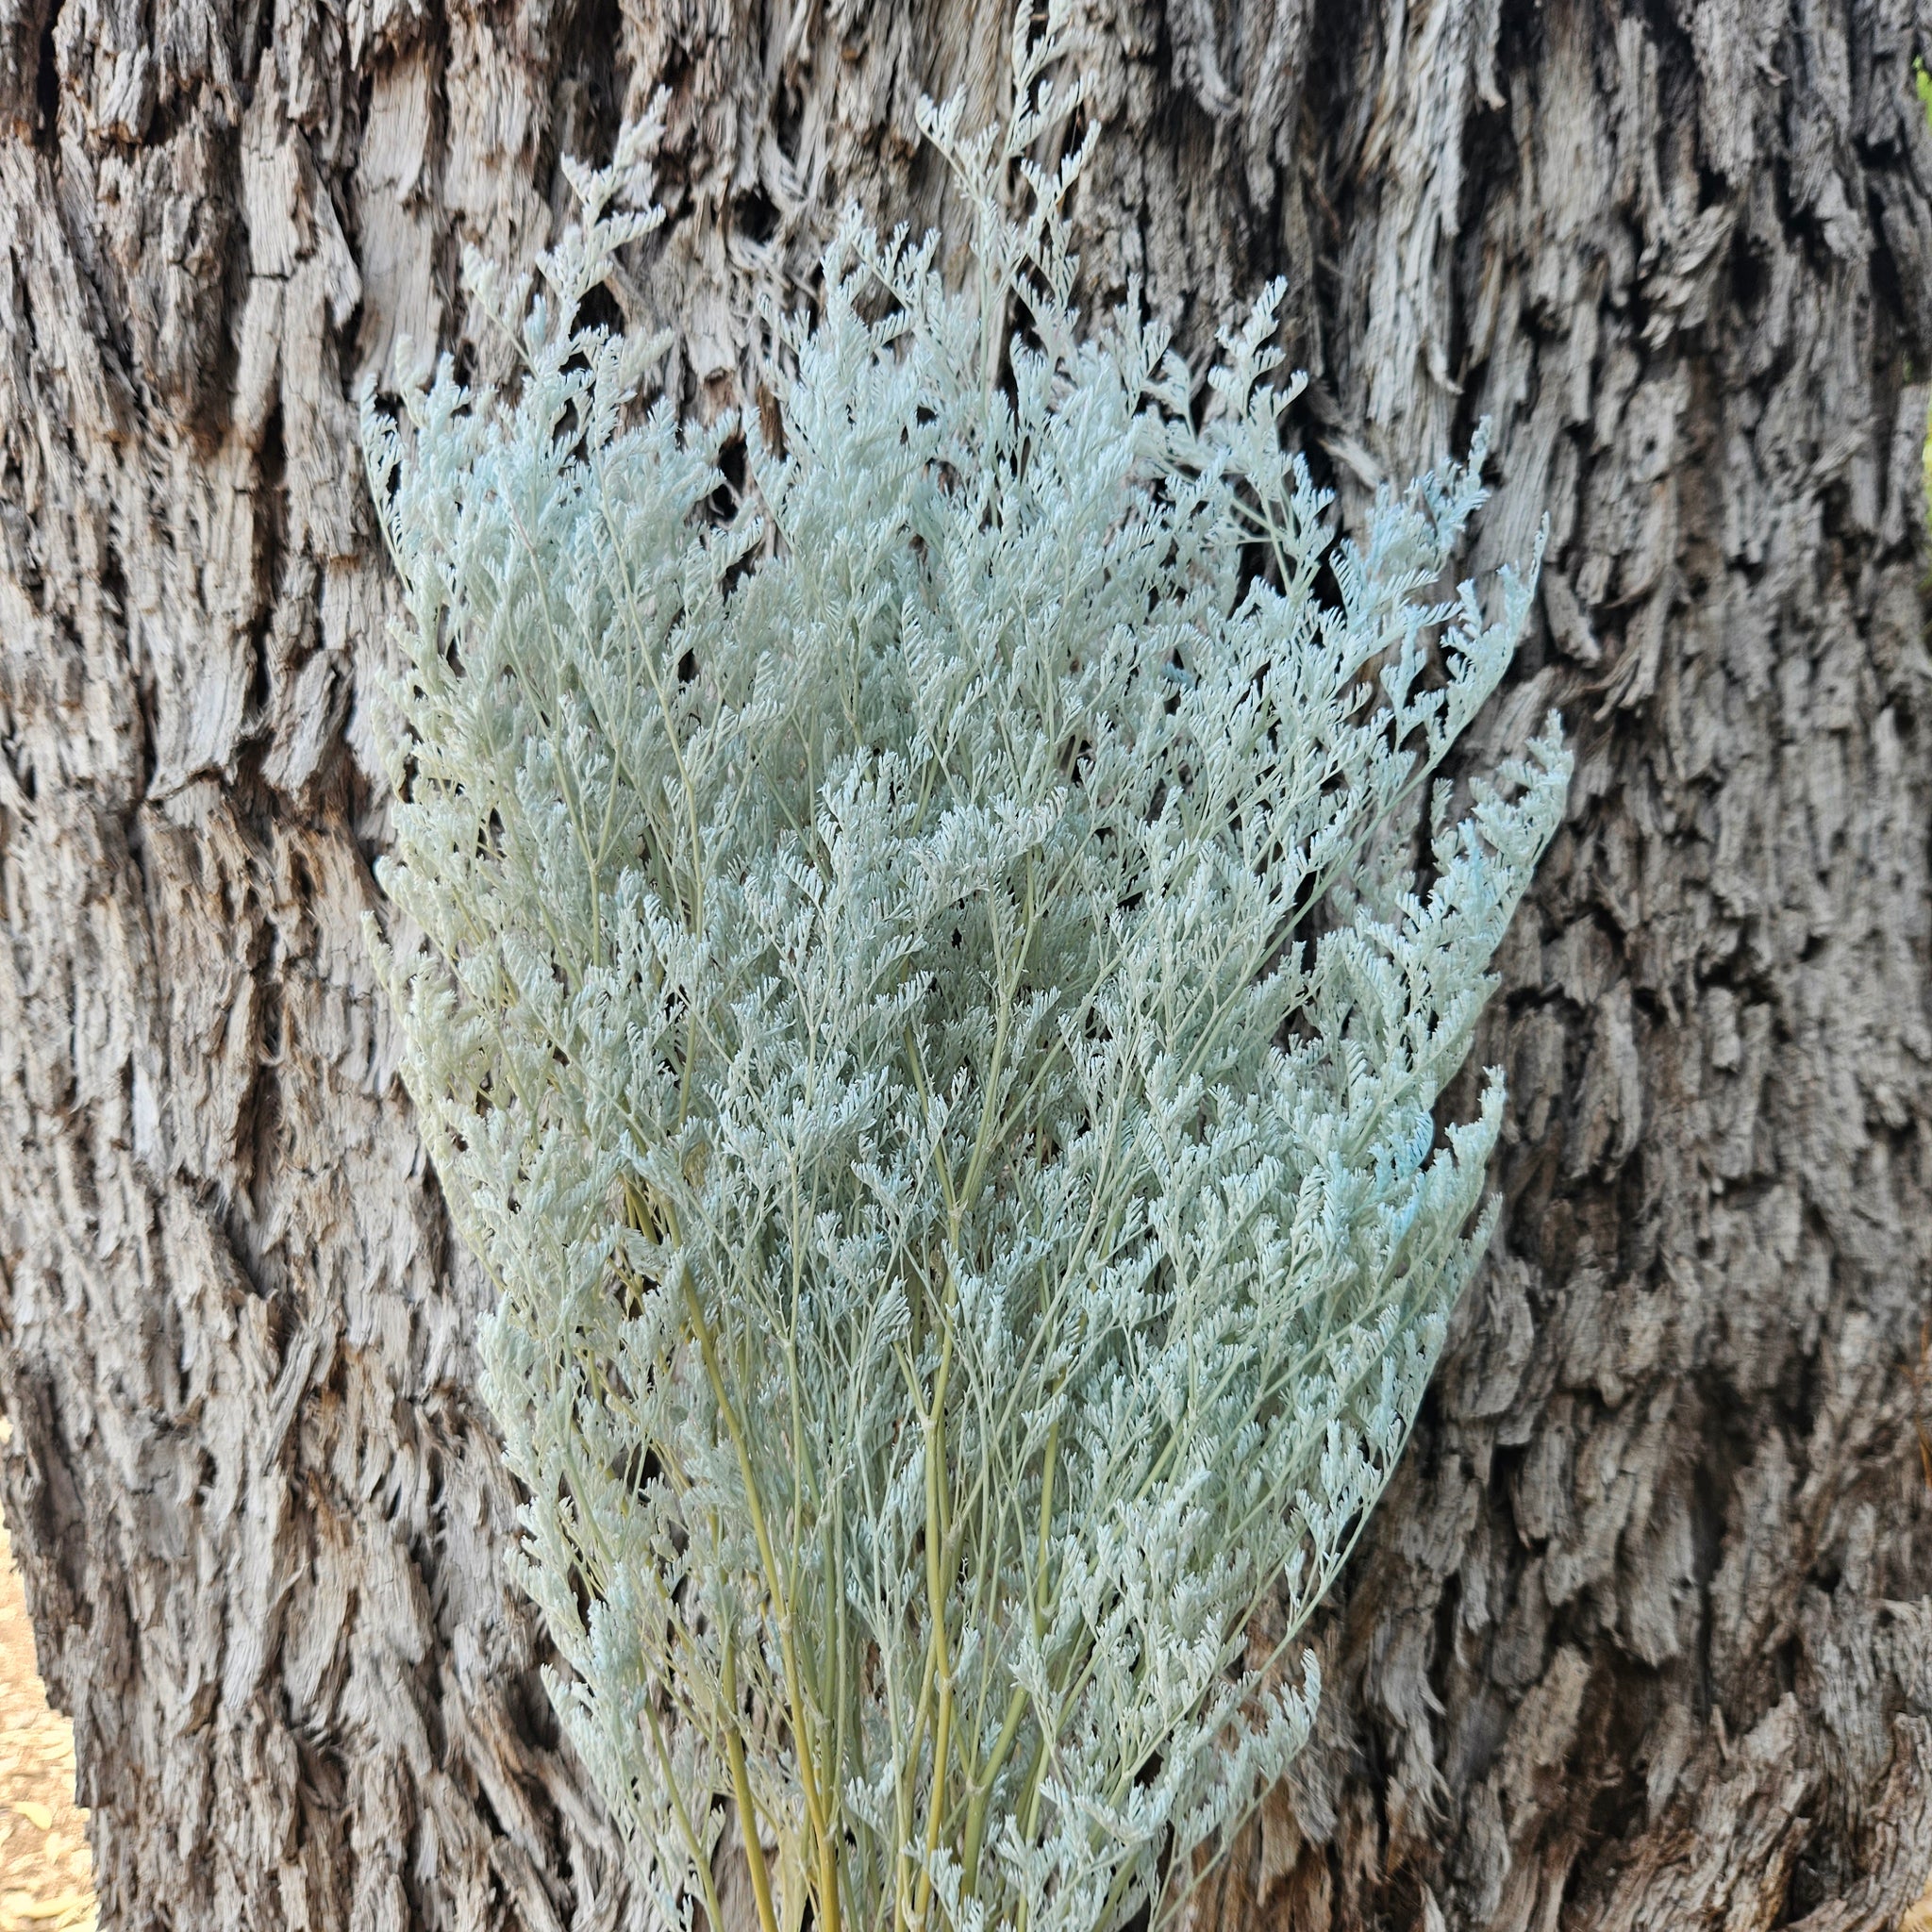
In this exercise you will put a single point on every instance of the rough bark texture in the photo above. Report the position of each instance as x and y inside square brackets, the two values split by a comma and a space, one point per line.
[1642, 1636]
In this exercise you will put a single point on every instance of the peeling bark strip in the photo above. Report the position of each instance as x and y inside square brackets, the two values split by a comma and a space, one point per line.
[1641, 1637]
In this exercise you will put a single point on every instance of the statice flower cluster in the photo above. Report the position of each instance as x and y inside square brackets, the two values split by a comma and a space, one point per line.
[928, 980]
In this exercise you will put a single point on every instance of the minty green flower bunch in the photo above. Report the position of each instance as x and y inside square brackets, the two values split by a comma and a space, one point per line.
[920, 999]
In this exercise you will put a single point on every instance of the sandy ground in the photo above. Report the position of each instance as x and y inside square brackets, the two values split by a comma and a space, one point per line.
[46, 1875]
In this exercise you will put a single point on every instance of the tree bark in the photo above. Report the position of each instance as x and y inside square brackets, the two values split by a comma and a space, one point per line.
[1641, 1637]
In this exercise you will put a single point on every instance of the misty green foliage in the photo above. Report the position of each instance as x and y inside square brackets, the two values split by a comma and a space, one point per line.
[924, 1010]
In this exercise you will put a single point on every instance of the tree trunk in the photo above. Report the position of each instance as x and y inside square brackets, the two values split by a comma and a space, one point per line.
[1641, 1637]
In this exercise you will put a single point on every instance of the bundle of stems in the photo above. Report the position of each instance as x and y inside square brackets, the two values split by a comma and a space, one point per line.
[919, 996]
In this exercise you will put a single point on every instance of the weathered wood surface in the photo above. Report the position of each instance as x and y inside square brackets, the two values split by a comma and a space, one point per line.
[1642, 1636]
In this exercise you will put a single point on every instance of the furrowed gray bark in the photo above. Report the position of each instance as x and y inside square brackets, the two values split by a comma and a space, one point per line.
[1641, 1637]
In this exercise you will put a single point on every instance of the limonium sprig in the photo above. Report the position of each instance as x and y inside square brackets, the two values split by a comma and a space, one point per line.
[921, 998]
